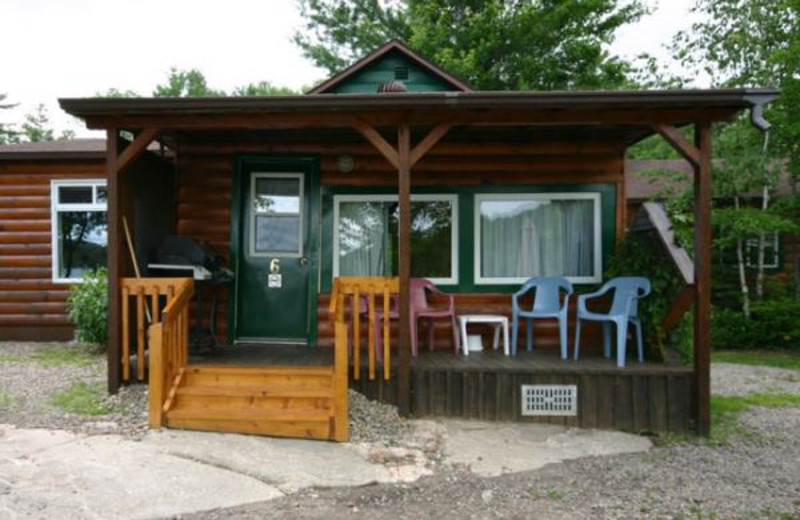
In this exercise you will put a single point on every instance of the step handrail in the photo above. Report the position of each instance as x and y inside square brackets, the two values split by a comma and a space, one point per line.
[360, 288]
[169, 349]
[142, 302]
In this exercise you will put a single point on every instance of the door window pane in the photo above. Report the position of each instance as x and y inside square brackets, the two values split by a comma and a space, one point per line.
[75, 194]
[82, 242]
[277, 234]
[277, 195]
[523, 238]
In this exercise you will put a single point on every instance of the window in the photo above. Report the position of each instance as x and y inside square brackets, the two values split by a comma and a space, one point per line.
[79, 228]
[277, 216]
[771, 251]
[366, 230]
[537, 234]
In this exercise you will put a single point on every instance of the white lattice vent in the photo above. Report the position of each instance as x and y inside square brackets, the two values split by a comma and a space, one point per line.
[554, 400]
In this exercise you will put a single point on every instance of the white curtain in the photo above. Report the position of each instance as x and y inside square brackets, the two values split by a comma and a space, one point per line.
[362, 238]
[537, 238]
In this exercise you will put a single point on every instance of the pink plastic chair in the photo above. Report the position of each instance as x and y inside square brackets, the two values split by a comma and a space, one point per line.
[420, 309]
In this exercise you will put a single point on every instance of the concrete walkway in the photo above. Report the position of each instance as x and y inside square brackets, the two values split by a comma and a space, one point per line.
[57, 474]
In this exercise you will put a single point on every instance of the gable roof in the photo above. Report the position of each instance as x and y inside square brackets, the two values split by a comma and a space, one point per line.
[85, 148]
[391, 46]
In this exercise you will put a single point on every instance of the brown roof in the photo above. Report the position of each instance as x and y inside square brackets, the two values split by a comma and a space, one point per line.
[55, 150]
[639, 186]
[392, 45]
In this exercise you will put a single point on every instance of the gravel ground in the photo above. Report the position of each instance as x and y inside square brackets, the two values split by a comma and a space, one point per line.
[754, 476]
[29, 378]
[734, 379]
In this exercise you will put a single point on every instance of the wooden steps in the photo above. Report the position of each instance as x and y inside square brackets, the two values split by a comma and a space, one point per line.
[283, 401]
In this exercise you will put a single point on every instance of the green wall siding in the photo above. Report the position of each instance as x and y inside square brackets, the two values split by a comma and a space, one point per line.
[466, 224]
[382, 71]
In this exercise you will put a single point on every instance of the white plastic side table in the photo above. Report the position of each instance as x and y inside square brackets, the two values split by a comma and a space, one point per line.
[491, 319]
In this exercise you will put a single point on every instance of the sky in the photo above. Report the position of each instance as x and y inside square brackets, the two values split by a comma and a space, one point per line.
[77, 48]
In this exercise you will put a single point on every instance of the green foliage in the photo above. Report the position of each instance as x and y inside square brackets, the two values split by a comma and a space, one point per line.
[7, 133]
[84, 399]
[493, 45]
[786, 359]
[88, 305]
[117, 93]
[640, 254]
[263, 88]
[773, 324]
[186, 83]
[36, 126]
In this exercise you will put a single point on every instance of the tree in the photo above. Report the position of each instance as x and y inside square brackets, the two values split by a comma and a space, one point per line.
[7, 133]
[263, 88]
[492, 44]
[186, 83]
[750, 43]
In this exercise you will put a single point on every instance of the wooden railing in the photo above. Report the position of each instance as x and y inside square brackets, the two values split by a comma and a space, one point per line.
[169, 349]
[347, 319]
[146, 297]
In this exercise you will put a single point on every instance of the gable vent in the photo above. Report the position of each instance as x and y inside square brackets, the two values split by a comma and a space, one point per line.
[401, 72]
[552, 400]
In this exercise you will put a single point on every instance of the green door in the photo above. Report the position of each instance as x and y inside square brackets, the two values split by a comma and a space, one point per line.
[275, 288]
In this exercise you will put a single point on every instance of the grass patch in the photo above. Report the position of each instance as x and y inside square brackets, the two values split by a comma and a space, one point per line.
[80, 355]
[5, 400]
[8, 358]
[725, 412]
[83, 398]
[769, 358]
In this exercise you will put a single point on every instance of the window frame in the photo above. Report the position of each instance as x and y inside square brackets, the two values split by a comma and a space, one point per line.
[595, 197]
[254, 177]
[56, 207]
[452, 198]
[752, 243]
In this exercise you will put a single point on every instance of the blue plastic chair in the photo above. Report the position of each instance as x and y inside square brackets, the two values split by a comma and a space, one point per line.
[546, 304]
[624, 310]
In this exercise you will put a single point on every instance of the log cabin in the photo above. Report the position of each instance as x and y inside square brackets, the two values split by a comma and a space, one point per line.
[325, 206]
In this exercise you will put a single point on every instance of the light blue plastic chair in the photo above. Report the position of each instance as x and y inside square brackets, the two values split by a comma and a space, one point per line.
[624, 310]
[546, 304]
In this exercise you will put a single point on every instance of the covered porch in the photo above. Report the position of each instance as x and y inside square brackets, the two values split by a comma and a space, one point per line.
[399, 144]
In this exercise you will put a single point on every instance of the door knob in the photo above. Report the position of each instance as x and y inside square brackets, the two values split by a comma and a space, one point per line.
[304, 261]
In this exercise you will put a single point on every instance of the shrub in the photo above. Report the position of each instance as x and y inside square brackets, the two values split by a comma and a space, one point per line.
[773, 323]
[88, 307]
[640, 254]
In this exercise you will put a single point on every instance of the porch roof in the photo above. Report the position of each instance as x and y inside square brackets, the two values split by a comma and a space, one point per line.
[561, 108]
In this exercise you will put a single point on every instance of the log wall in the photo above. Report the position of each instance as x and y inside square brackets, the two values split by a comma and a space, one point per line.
[32, 307]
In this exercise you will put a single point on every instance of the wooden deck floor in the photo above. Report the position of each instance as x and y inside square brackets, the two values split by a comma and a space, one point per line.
[524, 362]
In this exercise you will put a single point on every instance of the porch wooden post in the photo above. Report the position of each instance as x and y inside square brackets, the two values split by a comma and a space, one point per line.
[702, 274]
[404, 261]
[114, 258]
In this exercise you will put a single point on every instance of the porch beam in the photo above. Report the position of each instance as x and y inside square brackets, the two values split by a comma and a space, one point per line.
[377, 140]
[428, 142]
[404, 268]
[136, 148]
[432, 116]
[675, 138]
[703, 236]
[114, 258]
